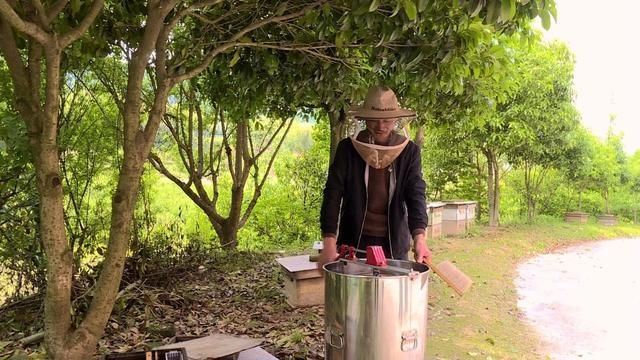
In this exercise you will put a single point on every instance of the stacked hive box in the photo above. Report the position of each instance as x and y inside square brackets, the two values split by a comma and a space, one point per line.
[434, 227]
[458, 216]
[607, 219]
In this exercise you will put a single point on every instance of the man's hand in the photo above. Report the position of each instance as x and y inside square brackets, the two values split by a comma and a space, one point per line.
[329, 251]
[420, 249]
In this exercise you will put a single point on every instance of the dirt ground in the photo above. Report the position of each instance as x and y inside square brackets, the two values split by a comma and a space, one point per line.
[585, 300]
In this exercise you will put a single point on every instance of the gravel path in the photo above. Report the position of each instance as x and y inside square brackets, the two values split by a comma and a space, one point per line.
[585, 300]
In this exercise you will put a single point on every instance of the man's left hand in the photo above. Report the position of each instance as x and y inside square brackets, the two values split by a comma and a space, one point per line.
[420, 249]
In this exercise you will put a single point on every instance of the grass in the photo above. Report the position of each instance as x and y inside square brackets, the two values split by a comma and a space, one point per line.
[485, 323]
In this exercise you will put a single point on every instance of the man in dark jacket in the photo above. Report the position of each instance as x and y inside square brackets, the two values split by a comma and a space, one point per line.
[375, 194]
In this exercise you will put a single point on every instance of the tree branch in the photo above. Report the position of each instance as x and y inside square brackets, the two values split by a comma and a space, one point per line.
[11, 55]
[23, 26]
[75, 33]
[156, 162]
[233, 41]
[258, 188]
[41, 13]
[55, 9]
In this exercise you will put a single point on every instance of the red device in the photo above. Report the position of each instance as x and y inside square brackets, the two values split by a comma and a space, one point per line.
[347, 252]
[375, 256]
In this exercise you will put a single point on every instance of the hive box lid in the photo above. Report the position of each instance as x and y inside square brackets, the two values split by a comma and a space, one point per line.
[459, 202]
[299, 267]
[435, 204]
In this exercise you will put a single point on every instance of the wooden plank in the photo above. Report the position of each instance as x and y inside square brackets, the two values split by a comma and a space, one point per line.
[299, 267]
[453, 276]
[257, 353]
[214, 346]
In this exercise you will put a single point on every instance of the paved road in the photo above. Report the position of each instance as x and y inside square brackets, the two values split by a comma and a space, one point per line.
[585, 300]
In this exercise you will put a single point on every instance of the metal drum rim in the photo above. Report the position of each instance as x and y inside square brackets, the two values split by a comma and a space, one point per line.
[425, 272]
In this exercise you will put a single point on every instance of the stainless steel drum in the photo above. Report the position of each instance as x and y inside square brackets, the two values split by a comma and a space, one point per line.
[375, 315]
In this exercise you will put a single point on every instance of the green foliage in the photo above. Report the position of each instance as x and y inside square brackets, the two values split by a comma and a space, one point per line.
[22, 261]
[287, 216]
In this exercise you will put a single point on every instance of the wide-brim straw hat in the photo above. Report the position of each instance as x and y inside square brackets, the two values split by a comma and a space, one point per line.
[381, 103]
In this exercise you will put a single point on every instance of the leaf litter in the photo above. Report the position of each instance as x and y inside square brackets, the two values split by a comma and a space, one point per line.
[237, 294]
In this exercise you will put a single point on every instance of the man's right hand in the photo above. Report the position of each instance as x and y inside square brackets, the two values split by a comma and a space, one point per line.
[329, 251]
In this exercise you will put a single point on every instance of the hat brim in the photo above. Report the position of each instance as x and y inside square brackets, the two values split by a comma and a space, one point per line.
[359, 112]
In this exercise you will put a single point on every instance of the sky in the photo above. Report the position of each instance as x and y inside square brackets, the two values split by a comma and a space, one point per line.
[605, 38]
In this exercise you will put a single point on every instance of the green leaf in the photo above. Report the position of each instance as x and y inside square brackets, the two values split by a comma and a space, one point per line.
[374, 5]
[410, 9]
[75, 6]
[395, 34]
[507, 9]
[422, 5]
[235, 58]
[552, 10]
[397, 8]
[478, 7]
[493, 11]
[546, 19]
[339, 39]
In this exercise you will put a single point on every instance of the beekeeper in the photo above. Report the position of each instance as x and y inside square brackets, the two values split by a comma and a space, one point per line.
[375, 193]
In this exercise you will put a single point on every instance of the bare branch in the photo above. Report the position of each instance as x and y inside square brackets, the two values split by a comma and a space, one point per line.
[227, 147]
[258, 187]
[158, 165]
[75, 33]
[23, 26]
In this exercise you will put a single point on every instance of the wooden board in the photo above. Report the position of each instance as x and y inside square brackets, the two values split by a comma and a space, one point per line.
[257, 353]
[299, 267]
[214, 346]
[455, 278]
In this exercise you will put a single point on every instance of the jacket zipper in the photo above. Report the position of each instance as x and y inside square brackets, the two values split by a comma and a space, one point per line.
[366, 203]
[391, 181]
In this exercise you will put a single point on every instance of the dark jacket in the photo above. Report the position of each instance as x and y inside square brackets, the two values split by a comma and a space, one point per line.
[345, 198]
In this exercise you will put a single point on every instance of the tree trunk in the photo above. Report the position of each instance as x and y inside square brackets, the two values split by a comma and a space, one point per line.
[419, 139]
[57, 319]
[493, 188]
[529, 192]
[338, 126]
[580, 200]
[479, 185]
[229, 235]
[496, 190]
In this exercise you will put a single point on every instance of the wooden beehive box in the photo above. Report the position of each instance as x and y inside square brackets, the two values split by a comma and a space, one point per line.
[303, 282]
[434, 227]
[576, 216]
[458, 216]
[471, 213]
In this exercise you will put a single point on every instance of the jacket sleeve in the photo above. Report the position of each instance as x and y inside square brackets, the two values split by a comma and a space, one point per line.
[415, 193]
[333, 191]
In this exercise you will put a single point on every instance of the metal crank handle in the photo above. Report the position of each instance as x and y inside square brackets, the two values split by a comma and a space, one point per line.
[412, 273]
